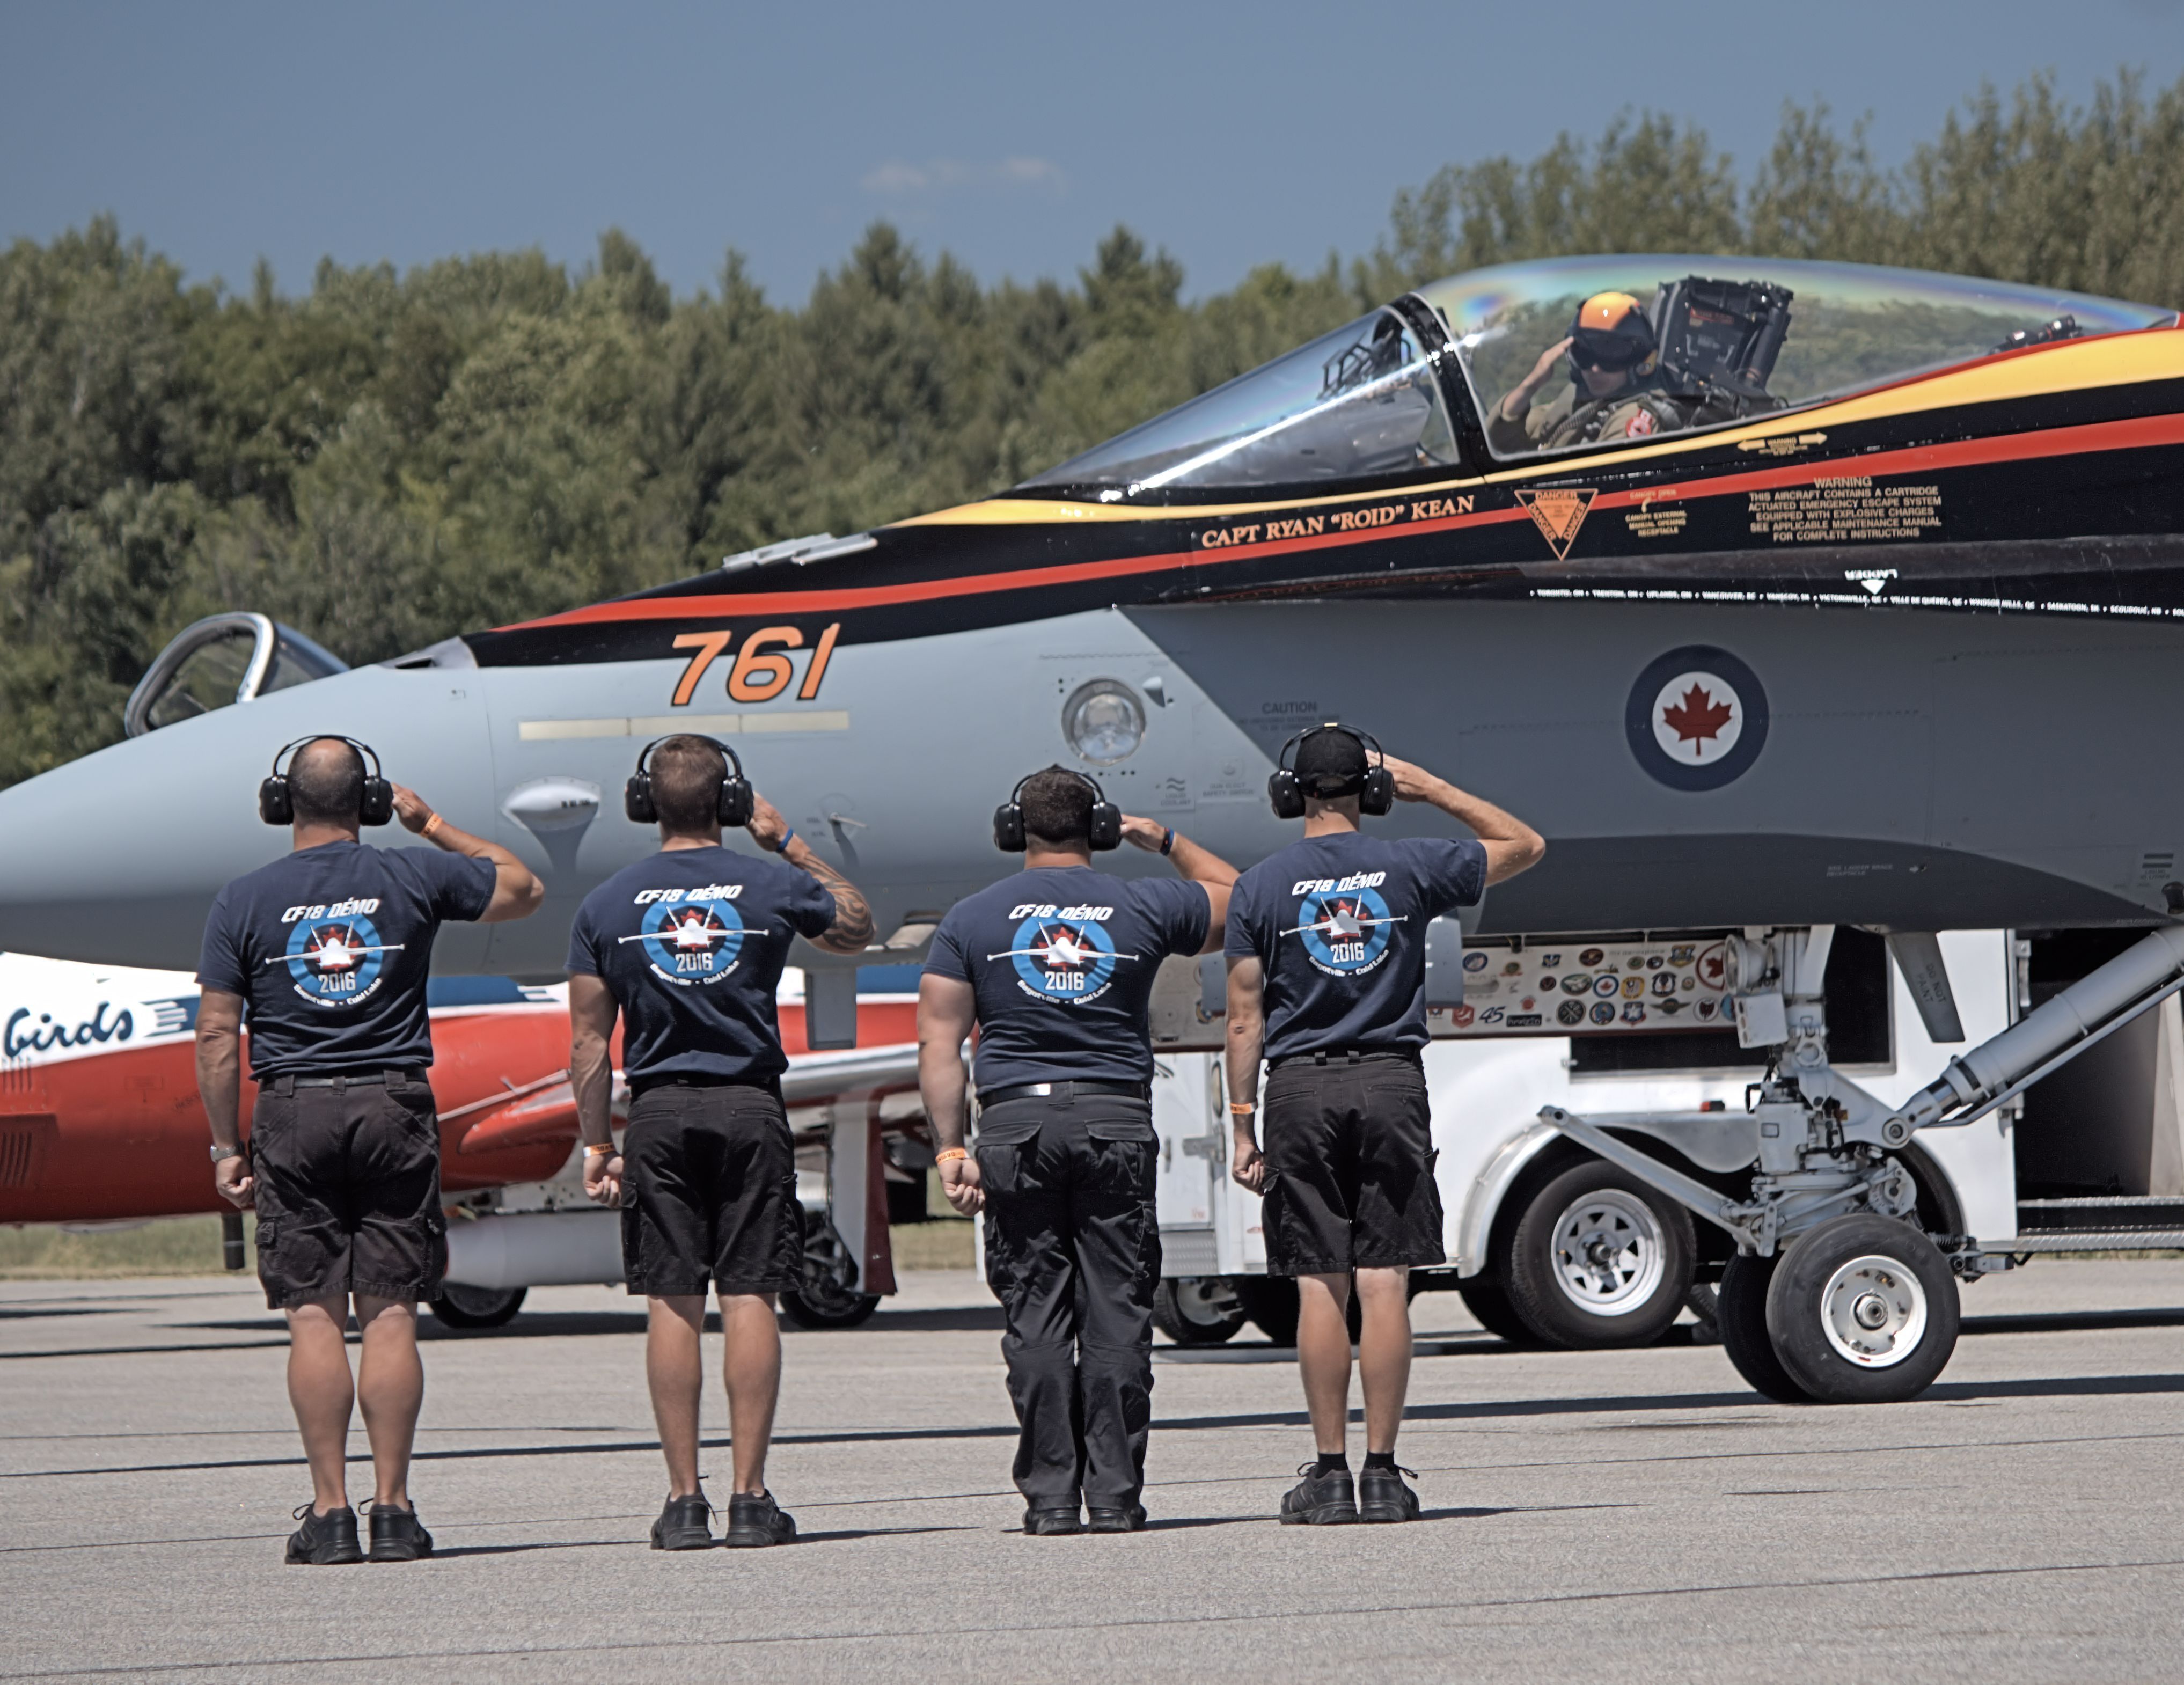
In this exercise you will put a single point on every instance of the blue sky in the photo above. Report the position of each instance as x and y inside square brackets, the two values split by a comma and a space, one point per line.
[1013, 135]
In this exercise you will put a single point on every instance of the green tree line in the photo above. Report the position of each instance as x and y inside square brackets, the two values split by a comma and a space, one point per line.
[389, 459]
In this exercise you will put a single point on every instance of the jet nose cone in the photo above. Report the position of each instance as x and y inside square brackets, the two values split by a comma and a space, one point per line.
[115, 858]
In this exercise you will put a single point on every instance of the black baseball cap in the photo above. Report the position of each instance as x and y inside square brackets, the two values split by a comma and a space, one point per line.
[1331, 762]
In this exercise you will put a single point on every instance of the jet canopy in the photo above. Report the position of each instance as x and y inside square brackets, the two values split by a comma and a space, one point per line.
[1412, 389]
[220, 661]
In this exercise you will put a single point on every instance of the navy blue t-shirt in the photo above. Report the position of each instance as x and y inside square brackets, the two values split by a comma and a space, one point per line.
[329, 948]
[1339, 924]
[691, 943]
[1063, 959]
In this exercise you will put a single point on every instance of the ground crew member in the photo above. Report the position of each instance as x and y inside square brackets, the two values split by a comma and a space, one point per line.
[1056, 967]
[688, 947]
[1326, 945]
[328, 949]
[1612, 359]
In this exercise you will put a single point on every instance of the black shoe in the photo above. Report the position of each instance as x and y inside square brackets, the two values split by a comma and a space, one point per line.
[1382, 1496]
[1051, 1521]
[755, 1519]
[1320, 1500]
[324, 1540]
[683, 1525]
[397, 1534]
[1105, 1520]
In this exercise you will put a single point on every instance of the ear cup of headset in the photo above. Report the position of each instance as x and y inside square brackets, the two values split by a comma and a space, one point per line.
[1009, 829]
[378, 805]
[1286, 794]
[1106, 830]
[1377, 793]
[636, 800]
[274, 806]
[737, 800]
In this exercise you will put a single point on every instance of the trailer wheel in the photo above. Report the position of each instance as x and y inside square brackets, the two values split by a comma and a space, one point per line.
[1863, 1310]
[1198, 1310]
[1490, 1307]
[1599, 1260]
[825, 1296]
[1270, 1302]
[1741, 1315]
[470, 1309]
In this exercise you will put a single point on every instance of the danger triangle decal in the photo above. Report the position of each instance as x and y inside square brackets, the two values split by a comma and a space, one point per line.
[1558, 515]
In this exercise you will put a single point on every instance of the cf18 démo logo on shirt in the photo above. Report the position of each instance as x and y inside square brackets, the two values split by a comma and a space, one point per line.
[334, 955]
[1063, 954]
[1345, 922]
[692, 937]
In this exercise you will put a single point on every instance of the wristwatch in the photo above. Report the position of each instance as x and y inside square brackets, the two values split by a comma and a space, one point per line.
[220, 1153]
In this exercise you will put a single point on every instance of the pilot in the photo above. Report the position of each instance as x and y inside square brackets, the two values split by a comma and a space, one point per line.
[1054, 966]
[327, 949]
[687, 946]
[1612, 358]
[1326, 946]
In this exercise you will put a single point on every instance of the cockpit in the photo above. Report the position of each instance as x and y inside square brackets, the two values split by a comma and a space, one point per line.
[1422, 389]
[220, 661]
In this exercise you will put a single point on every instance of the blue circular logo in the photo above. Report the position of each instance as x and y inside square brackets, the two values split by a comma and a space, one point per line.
[336, 962]
[693, 942]
[1346, 931]
[1063, 960]
[1696, 719]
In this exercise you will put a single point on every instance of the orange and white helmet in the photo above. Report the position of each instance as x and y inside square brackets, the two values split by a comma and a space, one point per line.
[1610, 331]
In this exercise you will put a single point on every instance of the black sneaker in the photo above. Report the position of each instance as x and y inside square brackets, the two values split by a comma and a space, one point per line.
[1320, 1500]
[683, 1525]
[325, 1540]
[1105, 1519]
[755, 1519]
[397, 1534]
[1047, 1522]
[1382, 1496]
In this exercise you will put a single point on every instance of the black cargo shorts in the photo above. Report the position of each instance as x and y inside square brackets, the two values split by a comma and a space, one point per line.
[709, 1192]
[1350, 1161]
[347, 1190]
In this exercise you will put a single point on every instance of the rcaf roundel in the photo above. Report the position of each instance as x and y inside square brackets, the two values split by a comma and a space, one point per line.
[1696, 718]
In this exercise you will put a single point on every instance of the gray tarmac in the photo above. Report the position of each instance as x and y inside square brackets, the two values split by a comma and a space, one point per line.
[1599, 1516]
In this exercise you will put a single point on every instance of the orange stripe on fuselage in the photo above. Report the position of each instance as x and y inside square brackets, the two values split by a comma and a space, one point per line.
[2136, 434]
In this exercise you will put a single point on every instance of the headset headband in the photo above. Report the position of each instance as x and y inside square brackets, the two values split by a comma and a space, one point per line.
[361, 749]
[735, 763]
[1363, 739]
[375, 801]
[1016, 795]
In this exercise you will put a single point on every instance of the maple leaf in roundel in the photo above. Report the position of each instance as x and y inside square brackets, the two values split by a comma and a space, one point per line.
[1696, 718]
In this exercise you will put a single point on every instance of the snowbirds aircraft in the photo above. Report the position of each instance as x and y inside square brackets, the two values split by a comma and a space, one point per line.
[100, 1125]
[1861, 616]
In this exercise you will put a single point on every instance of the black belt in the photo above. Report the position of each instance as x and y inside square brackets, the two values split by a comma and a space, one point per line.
[289, 1084]
[645, 1085]
[1348, 1055]
[1063, 1090]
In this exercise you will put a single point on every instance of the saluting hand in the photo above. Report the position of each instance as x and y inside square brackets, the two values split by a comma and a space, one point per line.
[1519, 398]
[767, 827]
[1144, 834]
[412, 810]
[1413, 783]
[603, 1178]
[959, 1180]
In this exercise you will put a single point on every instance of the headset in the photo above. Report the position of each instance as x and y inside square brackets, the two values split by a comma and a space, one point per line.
[1107, 831]
[277, 806]
[736, 800]
[1375, 794]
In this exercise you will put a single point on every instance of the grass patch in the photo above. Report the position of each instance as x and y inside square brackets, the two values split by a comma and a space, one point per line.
[167, 1246]
[938, 1244]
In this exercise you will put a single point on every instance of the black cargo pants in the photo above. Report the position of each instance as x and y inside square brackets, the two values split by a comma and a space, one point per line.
[1072, 1252]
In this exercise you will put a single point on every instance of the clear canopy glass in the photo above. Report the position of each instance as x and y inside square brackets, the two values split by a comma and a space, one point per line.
[1845, 327]
[1362, 402]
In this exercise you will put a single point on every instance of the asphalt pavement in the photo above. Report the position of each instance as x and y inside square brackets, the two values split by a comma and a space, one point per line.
[1628, 1517]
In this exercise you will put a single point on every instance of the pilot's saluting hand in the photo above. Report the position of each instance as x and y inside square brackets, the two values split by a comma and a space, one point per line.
[1519, 398]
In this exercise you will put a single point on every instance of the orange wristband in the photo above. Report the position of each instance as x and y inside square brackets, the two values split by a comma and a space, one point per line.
[432, 825]
[947, 1154]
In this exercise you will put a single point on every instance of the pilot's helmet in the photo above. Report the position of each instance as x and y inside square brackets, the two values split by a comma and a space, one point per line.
[1610, 331]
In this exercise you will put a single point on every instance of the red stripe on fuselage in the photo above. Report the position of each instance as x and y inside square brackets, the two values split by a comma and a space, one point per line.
[2127, 435]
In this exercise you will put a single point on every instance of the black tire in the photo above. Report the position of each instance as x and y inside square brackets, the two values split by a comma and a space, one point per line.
[1489, 1305]
[827, 1308]
[1600, 1261]
[459, 1305]
[1270, 1302]
[1740, 1313]
[1198, 1310]
[1832, 1279]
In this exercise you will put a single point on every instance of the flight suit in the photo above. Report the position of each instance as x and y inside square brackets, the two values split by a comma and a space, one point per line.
[1573, 418]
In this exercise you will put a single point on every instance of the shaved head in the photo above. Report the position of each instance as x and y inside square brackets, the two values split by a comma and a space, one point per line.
[326, 783]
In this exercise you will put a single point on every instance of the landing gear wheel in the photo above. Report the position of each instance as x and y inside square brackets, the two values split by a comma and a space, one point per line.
[470, 1309]
[823, 1305]
[1740, 1313]
[1863, 1310]
[1200, 1310]
[1599, 1260]
[1490, 1307]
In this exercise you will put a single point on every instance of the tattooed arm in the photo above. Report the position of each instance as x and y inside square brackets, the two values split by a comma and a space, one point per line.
[851, 932]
